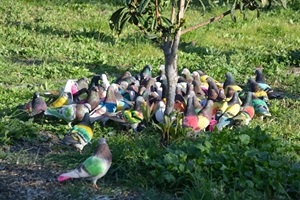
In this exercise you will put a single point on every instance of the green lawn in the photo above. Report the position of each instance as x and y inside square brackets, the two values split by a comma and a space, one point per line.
[44, 43]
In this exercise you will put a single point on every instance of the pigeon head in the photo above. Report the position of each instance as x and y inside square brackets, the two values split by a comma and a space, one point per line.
[185, 71]
[36, 95]
[102, 141]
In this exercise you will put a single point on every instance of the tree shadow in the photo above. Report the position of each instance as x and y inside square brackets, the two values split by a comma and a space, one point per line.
[191, 47]
[109, 2]
[48, 30]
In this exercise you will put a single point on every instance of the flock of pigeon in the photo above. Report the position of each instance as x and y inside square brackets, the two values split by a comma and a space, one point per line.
[206, 104]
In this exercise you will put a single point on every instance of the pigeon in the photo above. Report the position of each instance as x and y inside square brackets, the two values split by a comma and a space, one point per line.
[127, 77]
[213, 90]
[179, 104]
[94, 167]
[159, 112]
[80, 134]
[36, 105]
[74, 86]
[260, 106]
[260, 79]
[232, 110]
[80, 96]
[200, 121]
[134, 116]
[132, 92]
[161, 74]
[109, 104]
[104, 81]
[146, 73]
[203, 80]
[220, 108]
[230, 81]
[93, 97]
[197, 105]
[247, 111]
[65, 98]
[258, 92]
[190, 118]
[94, 81]
[82, 83]
[187, 75]
[69, 113]
[197, 85]
[206, 114]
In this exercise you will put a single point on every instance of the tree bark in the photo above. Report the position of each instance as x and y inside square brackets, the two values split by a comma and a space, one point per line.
[211, 20]
[170, 49]
[172, 77]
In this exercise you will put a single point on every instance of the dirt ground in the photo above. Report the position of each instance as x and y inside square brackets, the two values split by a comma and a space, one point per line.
[34, 180]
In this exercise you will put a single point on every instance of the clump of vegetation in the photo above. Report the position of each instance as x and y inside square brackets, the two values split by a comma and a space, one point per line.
[42, 45]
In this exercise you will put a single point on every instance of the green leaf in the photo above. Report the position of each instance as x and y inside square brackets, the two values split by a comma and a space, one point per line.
[115, 18]
[245, 139]
[169, 177]
[143, 5]
[166, 21]
[208, 144]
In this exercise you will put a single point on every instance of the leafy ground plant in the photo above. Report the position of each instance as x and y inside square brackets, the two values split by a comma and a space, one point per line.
[43, 44]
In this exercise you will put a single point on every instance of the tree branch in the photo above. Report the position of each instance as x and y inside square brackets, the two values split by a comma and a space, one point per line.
[181, 10]
[211, 20]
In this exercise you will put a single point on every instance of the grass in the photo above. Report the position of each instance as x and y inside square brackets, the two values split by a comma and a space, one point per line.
[42, 44]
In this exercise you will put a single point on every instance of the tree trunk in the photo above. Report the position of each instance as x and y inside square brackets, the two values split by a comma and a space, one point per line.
[170, 49]
[171, 74]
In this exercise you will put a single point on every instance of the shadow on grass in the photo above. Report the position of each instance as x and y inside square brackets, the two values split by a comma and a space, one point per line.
[48, 30]
[96, 67]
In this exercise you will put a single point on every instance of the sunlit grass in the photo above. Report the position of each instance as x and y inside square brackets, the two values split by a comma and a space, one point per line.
[44, 43]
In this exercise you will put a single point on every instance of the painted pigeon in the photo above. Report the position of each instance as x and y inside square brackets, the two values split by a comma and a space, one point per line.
[213, 90]
[200, 121]
[179, 104]
[258, 92]
[82, 83]
[146, 73]
[260, 79]
[161, 74]
[232, 110]
[247, 111]
[69, 113]
[80, 134]
[36, 105]
[65, 98]
[109, 104]
[104, 81]
[80, 96]
[127, 77]
[159, 112]
[203, 80]
[93, 97]
[94, 167]
[190, 118]
[197, 85]
[260, 106]
[134, 116]
[94, 81]
[230, 81]
[74, 86]
[187, 75]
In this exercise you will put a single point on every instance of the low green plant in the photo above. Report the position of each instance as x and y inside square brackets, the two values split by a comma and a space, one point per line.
[13, 130]
[171, 128]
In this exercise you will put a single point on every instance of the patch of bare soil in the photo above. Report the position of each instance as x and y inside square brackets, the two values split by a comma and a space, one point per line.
[36, 180]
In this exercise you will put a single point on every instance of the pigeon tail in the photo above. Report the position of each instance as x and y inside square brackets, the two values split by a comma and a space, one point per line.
[62, 178]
